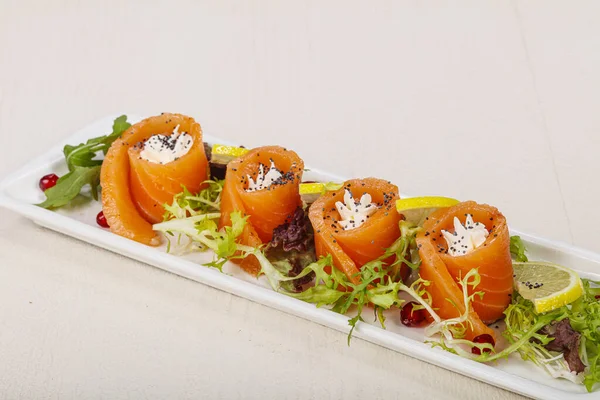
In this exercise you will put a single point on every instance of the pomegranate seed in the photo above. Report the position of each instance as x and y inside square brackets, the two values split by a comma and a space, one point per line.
[597, 296]
[101, 220]
[48, 181]
[484, 338]
[411, 317]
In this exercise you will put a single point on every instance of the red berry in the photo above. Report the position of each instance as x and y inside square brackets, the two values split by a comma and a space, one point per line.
[484, 338]
[411, 317]
[48, 181]
[101, 220]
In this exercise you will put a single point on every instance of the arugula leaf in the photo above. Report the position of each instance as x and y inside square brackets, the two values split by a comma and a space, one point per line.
[84, 168]
[517, 249]
[70, 185]
[83, 155]
[120, 125]
[83, 159]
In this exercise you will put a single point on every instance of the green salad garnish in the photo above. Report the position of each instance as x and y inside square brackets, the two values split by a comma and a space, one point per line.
[565, 342]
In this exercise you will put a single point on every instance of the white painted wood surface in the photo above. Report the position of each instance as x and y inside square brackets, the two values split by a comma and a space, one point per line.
[489, 100]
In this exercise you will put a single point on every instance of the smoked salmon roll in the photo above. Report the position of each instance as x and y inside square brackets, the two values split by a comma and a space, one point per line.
[456, 240]
[145, 168]
[264, 185]
[356, 223]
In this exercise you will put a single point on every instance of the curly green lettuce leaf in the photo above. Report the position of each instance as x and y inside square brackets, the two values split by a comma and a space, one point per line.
[526, 334]
[331, 287]
[517, 249]
[188, 204]
[522, 331]
[584, 316]
[404, 249]
[202, 230]
[378, 282]
[328, 286]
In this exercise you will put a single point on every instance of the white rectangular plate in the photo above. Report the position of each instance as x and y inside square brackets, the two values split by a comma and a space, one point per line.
[19, 192]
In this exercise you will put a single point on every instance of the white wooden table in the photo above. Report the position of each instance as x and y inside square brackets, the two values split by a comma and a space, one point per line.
[489, 100]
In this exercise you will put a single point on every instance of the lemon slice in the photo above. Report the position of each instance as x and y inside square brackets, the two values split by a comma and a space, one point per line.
[222, 154]
[548, 286]
[229, 150]
[416, 209]
[309, 192]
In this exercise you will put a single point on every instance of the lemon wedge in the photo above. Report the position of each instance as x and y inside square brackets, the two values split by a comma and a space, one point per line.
[416, 209]
[548, 286]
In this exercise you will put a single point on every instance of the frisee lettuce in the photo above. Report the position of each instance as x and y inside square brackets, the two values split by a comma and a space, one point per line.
[203, 234]
[523, 327]
[405, 247]
[195, 217]
[333, 289]
[187, 209]
[525, 335]
[584, 315]
[188, 204]
[379, 284]
[522, 331]
[191, 216]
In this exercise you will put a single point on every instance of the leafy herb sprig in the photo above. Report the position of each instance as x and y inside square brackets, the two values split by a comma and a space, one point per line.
[517, 249]
[84, 167]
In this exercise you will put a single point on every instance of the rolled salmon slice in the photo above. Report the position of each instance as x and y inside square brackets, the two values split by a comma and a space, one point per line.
[491, 258]
[153, 185]
[352, 248]
[267, 208]
[134, 189]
